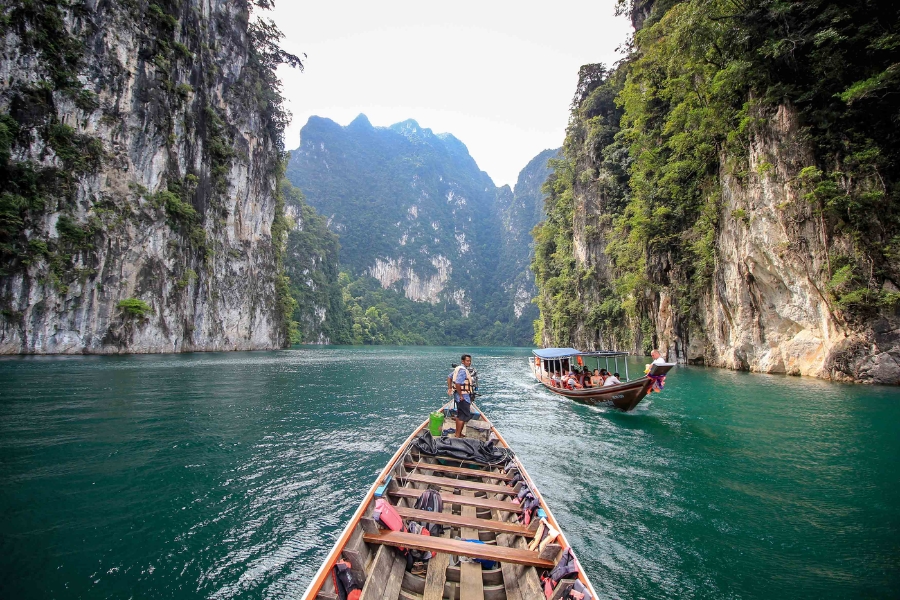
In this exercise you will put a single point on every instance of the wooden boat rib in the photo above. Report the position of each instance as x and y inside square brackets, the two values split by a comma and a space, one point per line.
[477, 506]
[624, 396]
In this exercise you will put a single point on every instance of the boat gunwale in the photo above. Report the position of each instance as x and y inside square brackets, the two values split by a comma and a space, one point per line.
[325, 569]
[339, 544]
[582, 576]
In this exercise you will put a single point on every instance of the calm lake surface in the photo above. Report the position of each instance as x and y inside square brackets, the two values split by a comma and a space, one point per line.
[230, 475]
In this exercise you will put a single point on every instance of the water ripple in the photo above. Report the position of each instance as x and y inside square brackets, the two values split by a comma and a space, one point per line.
[231, 475]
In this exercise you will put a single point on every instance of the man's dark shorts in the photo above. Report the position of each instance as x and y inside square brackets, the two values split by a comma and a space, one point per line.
[463, 410]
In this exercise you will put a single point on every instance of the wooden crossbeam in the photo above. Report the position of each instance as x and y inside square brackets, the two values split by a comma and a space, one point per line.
[517, 556]
[457, 470]
[461, 521]
[460, 500]
[459, 484]
[475, 463]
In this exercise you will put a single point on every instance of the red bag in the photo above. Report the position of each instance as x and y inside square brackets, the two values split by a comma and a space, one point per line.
[387, 515]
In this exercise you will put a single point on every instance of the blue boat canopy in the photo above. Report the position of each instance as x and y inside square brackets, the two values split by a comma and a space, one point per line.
[549, 353]
[556, 352]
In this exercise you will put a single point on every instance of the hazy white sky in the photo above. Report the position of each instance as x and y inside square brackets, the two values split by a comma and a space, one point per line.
[498, 75]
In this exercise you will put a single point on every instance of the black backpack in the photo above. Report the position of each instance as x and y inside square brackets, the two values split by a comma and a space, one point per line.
[431, 501]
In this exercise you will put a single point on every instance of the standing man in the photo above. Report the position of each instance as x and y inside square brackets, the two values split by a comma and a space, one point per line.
[461, 386]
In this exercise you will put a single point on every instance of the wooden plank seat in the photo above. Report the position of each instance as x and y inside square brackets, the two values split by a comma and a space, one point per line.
[457, 470]
[459, 500]
[459, 484]
[518, 556]
[460, 521]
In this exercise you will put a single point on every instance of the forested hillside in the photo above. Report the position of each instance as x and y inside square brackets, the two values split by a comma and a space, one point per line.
[432, 251]
[729, 191]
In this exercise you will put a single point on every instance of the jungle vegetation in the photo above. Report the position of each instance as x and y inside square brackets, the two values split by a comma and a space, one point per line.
[650, 140]
[405, 195]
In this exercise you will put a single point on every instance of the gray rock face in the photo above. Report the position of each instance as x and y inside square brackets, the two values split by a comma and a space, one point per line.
[178, 210]
[768, 308]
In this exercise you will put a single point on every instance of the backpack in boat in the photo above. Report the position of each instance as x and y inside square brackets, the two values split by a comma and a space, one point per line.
[413, 556]
[345, 585]
[431, 501]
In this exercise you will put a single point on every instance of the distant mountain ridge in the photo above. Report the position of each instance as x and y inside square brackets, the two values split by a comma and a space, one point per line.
[413, 210]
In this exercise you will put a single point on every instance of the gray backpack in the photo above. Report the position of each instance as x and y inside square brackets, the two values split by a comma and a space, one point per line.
[431, 501]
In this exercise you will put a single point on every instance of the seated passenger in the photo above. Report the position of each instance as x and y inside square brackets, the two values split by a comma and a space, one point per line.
[555, 381]
[572, 381]
[596, 380]
[612, 380]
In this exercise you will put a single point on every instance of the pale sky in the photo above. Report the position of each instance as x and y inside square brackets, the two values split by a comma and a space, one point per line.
[498, 75]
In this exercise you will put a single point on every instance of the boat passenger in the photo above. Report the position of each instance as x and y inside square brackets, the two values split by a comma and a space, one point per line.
[460, 385]
[555, 380]
[596, 379]
[572, 381]
[585, 378]
[612, 380]
[657, 358]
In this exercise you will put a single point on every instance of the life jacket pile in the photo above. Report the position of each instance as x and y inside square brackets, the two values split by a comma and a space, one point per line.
[566, 567]
[345, 585]
[529, 504]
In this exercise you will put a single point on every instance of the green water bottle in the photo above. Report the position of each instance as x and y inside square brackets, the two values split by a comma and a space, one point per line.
[436, 423]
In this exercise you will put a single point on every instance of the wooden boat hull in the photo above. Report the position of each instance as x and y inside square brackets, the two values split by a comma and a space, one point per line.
[378, 567]
[625, 396]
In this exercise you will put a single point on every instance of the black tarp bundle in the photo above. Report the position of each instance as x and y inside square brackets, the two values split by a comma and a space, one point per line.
[461, 449]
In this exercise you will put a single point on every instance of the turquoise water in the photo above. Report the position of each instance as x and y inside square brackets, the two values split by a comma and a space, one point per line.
[230, 475]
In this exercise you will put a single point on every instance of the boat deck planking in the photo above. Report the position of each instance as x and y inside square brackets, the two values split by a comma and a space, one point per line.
[460, 484]
[459, 499]
[475, 512]
[424, 466]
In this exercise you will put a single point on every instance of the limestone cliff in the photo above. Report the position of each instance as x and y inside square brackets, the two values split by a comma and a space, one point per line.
[769, 307]
[747, 220]
[140, 152]
[520, 209]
